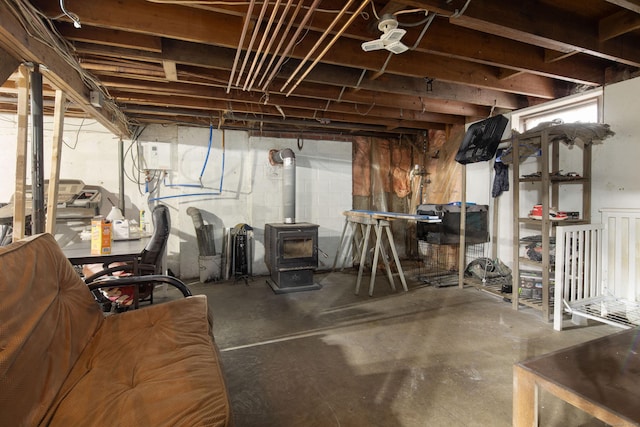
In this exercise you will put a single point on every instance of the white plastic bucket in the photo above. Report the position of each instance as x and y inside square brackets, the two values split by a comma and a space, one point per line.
[210, 267]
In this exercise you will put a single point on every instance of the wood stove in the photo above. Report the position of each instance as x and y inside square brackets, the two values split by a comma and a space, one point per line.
[291, 254]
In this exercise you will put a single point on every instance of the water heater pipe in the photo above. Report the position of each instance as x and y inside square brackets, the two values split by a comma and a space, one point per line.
[287, 158]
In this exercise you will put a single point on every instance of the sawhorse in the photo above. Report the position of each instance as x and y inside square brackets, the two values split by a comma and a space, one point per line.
[365, 223]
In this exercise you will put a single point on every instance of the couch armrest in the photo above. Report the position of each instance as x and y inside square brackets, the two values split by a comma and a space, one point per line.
[120, 281]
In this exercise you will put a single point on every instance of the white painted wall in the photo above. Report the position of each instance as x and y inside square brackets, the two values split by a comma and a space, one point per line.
[615, 169]
[616, 172]
[251, 189]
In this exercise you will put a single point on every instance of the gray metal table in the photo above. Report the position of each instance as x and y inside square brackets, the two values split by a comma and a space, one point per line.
[121, 251]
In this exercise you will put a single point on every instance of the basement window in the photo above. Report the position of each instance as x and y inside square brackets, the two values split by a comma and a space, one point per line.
[585, 108]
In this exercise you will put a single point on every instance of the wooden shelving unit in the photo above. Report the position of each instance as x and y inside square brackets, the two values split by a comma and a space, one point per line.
[548, 184]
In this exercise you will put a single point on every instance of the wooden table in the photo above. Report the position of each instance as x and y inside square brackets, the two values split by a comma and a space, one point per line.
[601, 377]
[379, 221]
[121, 251]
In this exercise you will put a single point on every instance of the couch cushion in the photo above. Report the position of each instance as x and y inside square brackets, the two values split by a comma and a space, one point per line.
[47, 316]
[155, 366]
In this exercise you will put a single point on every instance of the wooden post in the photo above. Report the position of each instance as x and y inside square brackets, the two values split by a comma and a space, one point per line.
[56, 154]
[21, 154]
[515, 143]
[463, 228]
[495, 228]
[525, 398]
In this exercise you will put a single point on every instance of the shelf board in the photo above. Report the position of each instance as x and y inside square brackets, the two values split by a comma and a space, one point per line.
[489, 286]
[554, 179]
[535, 303]
[531, 262]
[531, 221]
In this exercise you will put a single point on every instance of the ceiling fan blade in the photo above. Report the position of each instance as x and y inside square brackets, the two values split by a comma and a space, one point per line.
[396, 47]
[373, 45]
[393, 35]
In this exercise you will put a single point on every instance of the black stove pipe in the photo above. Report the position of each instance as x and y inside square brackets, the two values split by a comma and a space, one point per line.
[287, 158]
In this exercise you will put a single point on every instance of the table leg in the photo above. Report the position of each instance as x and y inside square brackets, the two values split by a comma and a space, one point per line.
[363, 255]
[352, 246]
[376, 252]
[387, 266]
[344, 231]
[358, 238]
[396, 259]
[525, 398]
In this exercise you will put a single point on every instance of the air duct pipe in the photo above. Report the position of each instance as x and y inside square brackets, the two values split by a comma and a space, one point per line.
[288, 160]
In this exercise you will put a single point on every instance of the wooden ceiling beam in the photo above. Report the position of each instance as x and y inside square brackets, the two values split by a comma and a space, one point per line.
[8, 65]
[554, 55]
[440, 40]
[320, 91]
[632, 5]
[15, 40]
[155, 19]
[548, 27]
[419, 64]
[109, 37]
[127, 86]
[126, 99]
[444, 39]
[194, 54]
[618, 24]
[212, 105]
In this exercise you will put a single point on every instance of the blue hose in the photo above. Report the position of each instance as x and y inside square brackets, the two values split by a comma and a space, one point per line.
[204, 166]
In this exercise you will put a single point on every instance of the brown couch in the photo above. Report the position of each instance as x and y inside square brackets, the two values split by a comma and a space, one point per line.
[63, 363]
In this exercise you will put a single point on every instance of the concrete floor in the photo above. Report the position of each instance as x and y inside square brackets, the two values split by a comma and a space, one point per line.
[427, 357]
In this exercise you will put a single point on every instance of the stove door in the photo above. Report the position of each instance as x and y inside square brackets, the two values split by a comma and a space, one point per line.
[297, 249]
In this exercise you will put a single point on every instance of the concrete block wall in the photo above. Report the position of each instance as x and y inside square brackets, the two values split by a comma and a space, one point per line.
[251, 193]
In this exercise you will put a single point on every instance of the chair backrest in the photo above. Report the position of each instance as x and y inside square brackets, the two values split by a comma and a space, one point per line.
[154, 249]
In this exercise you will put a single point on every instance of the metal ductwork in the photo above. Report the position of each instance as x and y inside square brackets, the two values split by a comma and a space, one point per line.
[288, 160]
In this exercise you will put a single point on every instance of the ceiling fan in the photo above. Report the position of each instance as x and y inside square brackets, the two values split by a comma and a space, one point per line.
[390, 38]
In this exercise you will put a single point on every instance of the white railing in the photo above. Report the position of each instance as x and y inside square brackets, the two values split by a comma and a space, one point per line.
[578, 267]
[597, 269]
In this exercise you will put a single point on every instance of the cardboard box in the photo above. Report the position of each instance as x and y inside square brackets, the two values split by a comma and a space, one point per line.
[100, 236]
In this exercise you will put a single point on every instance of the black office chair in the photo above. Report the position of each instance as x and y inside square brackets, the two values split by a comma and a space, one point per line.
[149, 262]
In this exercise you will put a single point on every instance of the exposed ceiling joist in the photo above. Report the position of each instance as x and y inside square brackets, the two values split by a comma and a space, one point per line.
[467, 59]
[633, 5]
[8, 65]
[548, 28]
[618, 24]
[62, 74]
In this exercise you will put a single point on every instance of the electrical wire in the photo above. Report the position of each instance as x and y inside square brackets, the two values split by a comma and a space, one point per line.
[77, 136]
[216, 193]
[428, 17]
[72, 16]
[375, 12]
[459, 13]
[41, 28]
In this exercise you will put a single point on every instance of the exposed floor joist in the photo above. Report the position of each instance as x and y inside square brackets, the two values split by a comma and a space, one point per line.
[466, 60]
